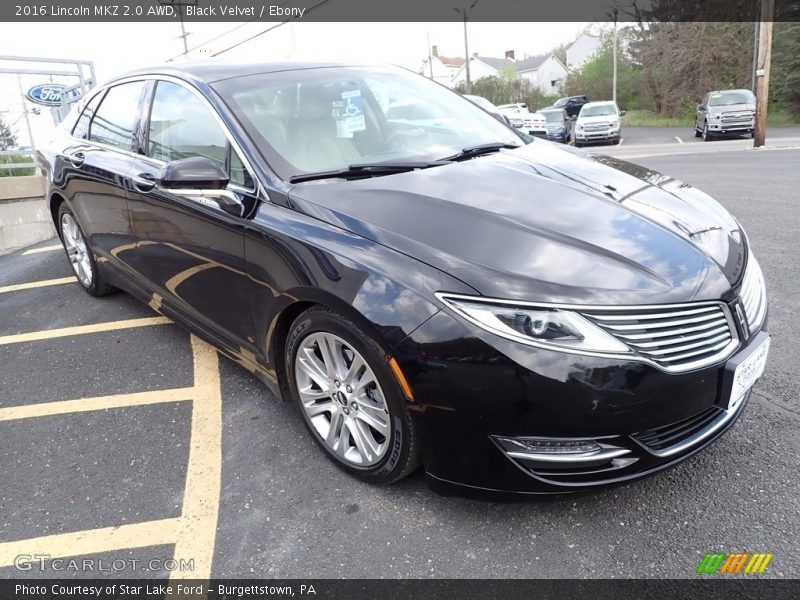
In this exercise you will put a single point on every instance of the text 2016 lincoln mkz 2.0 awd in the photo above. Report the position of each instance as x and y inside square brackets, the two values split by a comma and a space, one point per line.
[432, 290]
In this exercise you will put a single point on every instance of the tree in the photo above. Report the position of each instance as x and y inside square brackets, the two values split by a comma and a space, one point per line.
[785, 73]
[7, 139]
[681, 61]
[595, 77]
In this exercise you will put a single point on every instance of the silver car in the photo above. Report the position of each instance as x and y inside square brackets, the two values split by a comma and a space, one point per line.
[727, 112]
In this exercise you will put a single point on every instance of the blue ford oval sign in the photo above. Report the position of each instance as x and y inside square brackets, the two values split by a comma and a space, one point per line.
[47, 94]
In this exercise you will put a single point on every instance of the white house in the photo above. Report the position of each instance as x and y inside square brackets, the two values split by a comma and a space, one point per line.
[582, 50]
[545, 72]
[441, 68]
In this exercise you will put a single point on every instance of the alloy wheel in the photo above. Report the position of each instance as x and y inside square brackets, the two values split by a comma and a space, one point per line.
[342, 399]
[77, 250]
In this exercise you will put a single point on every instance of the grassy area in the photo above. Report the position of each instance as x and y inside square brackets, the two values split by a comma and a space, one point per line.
[647, 118]
[16, 159]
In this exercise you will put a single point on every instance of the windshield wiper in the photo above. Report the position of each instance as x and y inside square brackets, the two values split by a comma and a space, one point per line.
[362, 171]
[473, 151]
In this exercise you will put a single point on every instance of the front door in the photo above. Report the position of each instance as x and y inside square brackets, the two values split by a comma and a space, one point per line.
[189, 252]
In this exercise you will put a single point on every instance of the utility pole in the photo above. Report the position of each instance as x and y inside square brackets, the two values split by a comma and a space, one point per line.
[430, 58]
[179, 4]
[464, 12]
[25, 112]
[614, 91]
[755, 57]
[762, 71]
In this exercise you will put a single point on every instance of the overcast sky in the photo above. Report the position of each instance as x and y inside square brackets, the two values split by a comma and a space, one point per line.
[119, 47]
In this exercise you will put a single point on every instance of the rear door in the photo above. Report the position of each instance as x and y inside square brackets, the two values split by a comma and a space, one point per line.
[189, 252]
[97, 162]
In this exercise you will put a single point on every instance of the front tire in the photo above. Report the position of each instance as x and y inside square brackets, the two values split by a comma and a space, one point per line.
[348, 397]
[80, 253]
[697, 132]
[706, 133]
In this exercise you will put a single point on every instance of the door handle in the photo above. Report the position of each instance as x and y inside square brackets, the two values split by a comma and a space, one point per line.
[76, 159]
[144, 182]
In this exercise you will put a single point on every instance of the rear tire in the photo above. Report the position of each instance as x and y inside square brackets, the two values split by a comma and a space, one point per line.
[349, 399]
[80, 254]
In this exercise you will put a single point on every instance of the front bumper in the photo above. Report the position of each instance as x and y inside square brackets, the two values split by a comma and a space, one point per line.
[588, 137]
[474, 390]
[719, 128]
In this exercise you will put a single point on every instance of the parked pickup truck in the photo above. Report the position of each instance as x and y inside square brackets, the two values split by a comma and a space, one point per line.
[727, 112]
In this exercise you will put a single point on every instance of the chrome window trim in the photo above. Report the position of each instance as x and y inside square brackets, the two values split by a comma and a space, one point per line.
[719, 357]
[226, 130]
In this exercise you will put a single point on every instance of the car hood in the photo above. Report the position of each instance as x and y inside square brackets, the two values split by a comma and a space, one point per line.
[597, 119]
[732, 108]
[545, 223]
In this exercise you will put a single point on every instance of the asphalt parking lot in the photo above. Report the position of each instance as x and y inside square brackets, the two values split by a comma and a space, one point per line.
[126, 438]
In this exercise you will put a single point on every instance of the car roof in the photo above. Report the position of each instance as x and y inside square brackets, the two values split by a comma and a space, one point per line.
[600, 103]
[217, 70]
[732, 90]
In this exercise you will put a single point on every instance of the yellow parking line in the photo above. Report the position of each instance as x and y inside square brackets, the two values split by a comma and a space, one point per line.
[98, 403]
[37, 284]
[82, 329]
[92, 541]
[42, 249]
[198, 523]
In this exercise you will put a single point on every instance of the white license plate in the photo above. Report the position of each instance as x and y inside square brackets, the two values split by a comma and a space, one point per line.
[746, 374]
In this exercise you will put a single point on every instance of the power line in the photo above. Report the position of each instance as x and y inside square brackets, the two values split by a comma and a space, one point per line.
[214, 39]
[260, 33]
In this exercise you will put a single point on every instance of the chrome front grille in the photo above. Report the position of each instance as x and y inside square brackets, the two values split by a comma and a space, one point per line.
[753, 295]
[598, 126]
[737, 117]
[677, 337]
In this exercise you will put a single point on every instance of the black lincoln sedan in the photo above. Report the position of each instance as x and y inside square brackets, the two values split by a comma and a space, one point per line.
[518, 318]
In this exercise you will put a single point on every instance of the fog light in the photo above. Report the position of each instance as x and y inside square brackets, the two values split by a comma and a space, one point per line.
[560, 452]
[565, 446]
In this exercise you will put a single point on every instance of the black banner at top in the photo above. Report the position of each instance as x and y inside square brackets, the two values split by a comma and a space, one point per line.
[392, 10]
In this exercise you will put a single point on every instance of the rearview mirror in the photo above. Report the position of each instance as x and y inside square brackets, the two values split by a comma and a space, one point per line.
[195, 173]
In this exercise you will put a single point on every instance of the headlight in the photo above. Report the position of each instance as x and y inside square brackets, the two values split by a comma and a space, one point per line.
[541, 326]
[614, 124]
[714, 116]
[579, 127]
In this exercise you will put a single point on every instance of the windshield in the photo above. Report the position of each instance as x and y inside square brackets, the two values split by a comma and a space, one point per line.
[598, 110]
[733, 97]
[552, 116]
[327, 119]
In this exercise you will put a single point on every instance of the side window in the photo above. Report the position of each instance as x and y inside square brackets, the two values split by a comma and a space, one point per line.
[113, 122]
[181, 126]
[81, 129]
[238, 172]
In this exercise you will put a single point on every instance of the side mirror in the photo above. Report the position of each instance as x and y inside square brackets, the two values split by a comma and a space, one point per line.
[623, 112]
[202, 180]
[701, 107]
[195, 173]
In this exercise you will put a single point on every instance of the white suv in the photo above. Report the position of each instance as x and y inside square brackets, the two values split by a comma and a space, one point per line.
[520, 118]
[598, 122]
